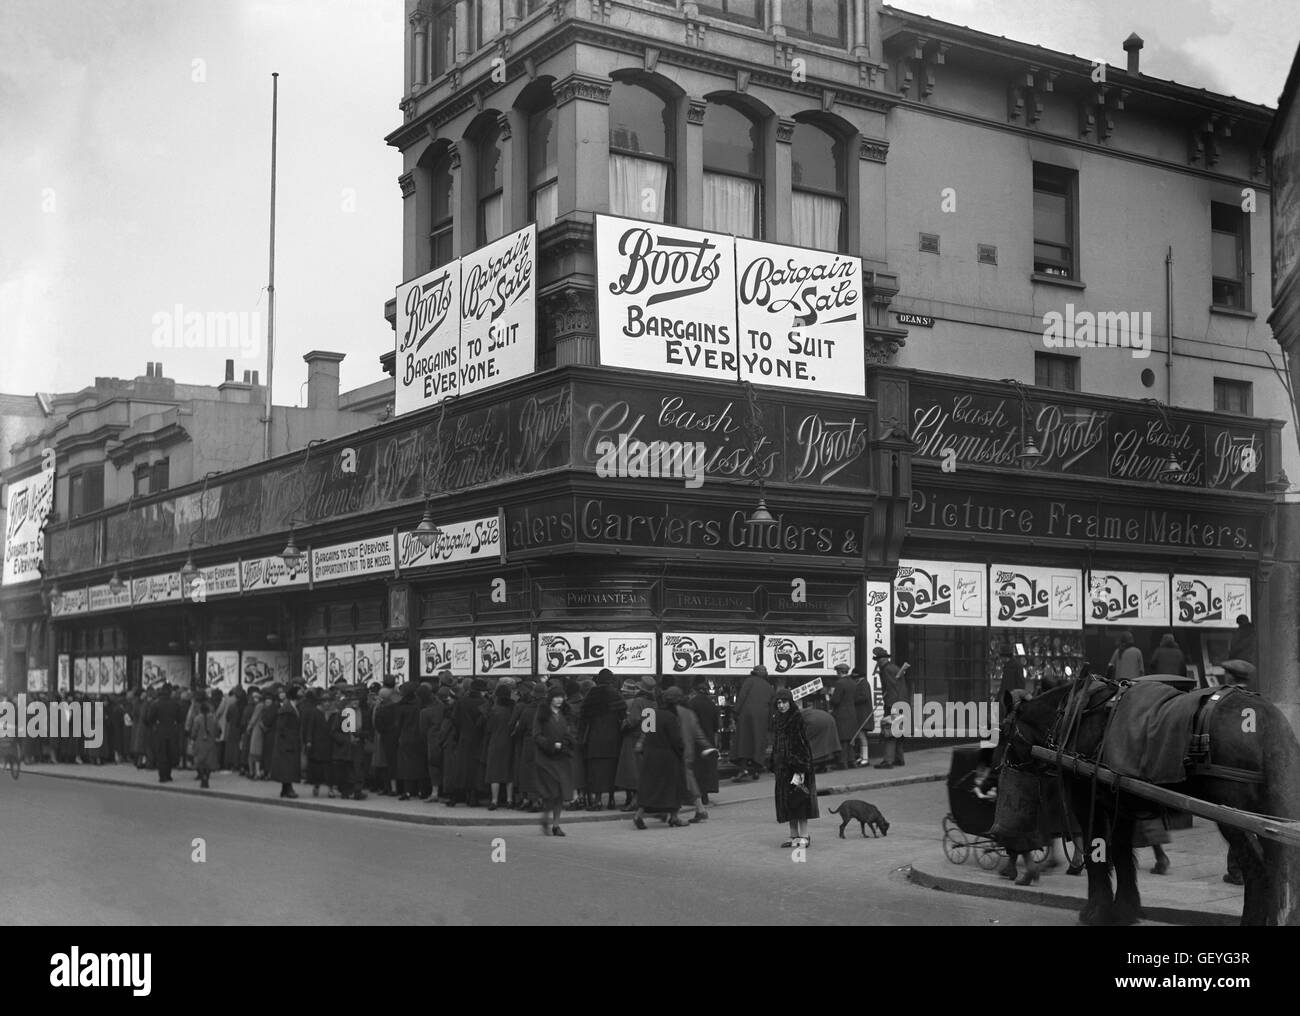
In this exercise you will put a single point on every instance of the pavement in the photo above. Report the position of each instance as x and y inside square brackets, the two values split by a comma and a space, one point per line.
[1191, 893]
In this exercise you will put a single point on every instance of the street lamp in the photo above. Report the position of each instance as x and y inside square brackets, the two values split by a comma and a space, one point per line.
[1171, 469]
[427, 532]
[756, 433]
[115, 584]
[1029, 453]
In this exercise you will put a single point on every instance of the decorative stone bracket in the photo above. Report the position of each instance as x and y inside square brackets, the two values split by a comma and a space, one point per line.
[1095, 112]
[920, 62]
[882, 340]
[1203, 139]
[1024, 94]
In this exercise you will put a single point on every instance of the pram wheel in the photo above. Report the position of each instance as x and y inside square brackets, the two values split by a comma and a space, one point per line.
[988, 855]
[955, 846]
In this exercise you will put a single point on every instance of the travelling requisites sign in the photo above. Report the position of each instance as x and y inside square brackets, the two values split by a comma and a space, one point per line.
[681, 301]
[468, 325]
[31, 500]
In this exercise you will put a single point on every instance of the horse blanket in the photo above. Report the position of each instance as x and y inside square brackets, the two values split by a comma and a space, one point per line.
[1151, 732]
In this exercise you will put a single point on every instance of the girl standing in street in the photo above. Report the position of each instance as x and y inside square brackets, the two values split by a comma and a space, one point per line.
[796, 784]
[554, 740]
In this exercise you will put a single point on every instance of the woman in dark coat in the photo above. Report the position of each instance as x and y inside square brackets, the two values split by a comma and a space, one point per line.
[235, 716]
[274, 699]
[553, 739]
[663, 777]
[316, 740]
[431, 732]
[640, 696]
[203, 737]
[286, 756]
[521, 731]
[468, 722]
[796, 783]
[411, 748]
[753, 709]
[600, 731]
[706, 711]
[386, 742]
[498, 760]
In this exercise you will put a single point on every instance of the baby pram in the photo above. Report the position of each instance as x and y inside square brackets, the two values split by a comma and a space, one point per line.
[969, 819]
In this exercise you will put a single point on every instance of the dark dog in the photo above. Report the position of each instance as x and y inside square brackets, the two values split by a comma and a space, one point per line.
[864, 814]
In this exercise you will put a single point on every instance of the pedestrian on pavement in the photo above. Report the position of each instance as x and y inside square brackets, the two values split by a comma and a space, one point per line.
[412, 749]
[253, 733]
[1168, 658]
[316, 741]
[1126, 662]
[600, 732]
[706, 764]
[893, 683]
[823, 735]
[203, 738]
[864, 708]
[845, 712]
[274, 698]
[188, 711]
[662, 782]
[753, 715]
[343, 722]
[286, 758]
[468, 722]
[553, 738]
[232, 732]
[498, 760]
[796, 783]
[164, 721]
[431, 716]
[1243, 645]
[577, 694]
[694, 746]
[1237, 672]
[640, 697]
[385, 762]
[525, 748]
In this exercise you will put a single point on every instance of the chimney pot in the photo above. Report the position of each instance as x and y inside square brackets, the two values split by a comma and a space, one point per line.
[246, 377]
[230, 370]
[148, 369]
[323, 379]
[254, 377]
[1133, 47]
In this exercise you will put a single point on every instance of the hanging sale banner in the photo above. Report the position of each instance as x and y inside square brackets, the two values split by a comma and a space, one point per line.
[259, 573]
[352, 560]
[473, 540]
[1029, 597]
[454, 654]
[1134, 599]
[699, 653]
[1210, 601]
[31, 500]
[941, 593]
[496, 655]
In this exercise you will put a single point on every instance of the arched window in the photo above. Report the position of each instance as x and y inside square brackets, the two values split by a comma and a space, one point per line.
[490, 178]
[819, 189]
[543, 167]
[733, 172]
[440, 213]
[641, 154]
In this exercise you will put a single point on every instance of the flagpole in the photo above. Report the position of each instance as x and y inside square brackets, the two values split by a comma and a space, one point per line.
[270, 285]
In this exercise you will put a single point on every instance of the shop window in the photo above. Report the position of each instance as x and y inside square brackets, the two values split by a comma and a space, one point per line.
[1054, 371]
[1228, 256]
[824, 21]
[641, 153]
[1054, 218]
[818, 188]
[86, 491]
[543, 167]
[747, 12]
[948, 664]
[1047, 654]
[491, 187]
[733, 172]
[1232, 396]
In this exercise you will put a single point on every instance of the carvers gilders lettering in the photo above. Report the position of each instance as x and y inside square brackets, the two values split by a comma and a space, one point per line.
[691, 265]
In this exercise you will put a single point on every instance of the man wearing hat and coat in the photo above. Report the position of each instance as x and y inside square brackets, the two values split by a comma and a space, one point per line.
[164, 719]
[845, 713]
[640, 696]
[753, 715]
[893, 684]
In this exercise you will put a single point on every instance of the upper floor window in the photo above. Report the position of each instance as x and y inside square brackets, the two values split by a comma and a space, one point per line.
[543, 168]
[748, 12]
[1055, 242]
[733, 172]
[818, 188]
[825, 21]
[440, 214]
[1054, 371]
[1228, 255]
[641, 153]
[150, 479]
[490, 177]
[489, 20]
[86, 491]
[442, 40]
[1232, 396]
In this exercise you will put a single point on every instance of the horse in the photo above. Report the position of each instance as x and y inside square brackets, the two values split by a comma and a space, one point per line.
[1075, 713]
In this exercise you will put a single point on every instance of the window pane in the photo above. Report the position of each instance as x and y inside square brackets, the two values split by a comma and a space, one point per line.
[545, 205]
[730, 205]
[828, 19]
[489, 163]
[738, 10]
[442, 250]
[639, 121]
[1224, 248]
[817, 221]
[1225, 218]
[542, 164]
[442, 191]
[491, 212]
[1051, 218]
[442, 39]
[731, 142]
[817, 163]
[638, 188]
[489, 20]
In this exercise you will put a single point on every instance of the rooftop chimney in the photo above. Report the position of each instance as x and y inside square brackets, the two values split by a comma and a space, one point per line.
[148, 369]
[323, 379]
[1133, 47]
[230, 370]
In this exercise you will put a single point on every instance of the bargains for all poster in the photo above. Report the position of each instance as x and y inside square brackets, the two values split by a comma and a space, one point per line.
[1134, 599]
[807, 654]
[498, 655]
[1210, 601]
[590, 652]
[222, 670]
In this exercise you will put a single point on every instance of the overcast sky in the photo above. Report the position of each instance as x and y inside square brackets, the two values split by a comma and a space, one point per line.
[135, 153]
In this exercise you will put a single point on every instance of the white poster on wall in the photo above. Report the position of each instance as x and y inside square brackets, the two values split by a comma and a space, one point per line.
[79, 668]
[1133, 599]
[369, 662]
[29, 504]
[340, 665]
[262, 667]
[63, 670]
[156, 589]
[473, 540]
[879, 617]
[498, 655]
[215, 580]
[941, 593]
[711, 653]
[38, 679]
[101, 597]
[261, 573]
[70, 602]
[1210, 601]
[591, 652]
[119, 675]
[178, 671]
[498, 311]
[666, 299]
[399, 664]
[807, 654]
[313, 666]
[1027, 597]
[428, 339]
[800, 318]
[456, 654]
[222, 669]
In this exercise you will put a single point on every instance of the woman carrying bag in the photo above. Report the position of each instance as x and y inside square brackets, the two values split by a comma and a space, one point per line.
[796, 783]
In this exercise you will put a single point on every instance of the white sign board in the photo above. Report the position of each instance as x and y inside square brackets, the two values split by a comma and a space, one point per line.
[353, 560]
[103, 598]
[473, 540]
[340, 665]
[428, 339]
[70, 601]
[700, 653]
[591, 652]
[119, 675]
[666, 299]
[369, 662]
[177, 671]
[261, 573]
[64, 672]
[456, 654]
[399, 664]
[1210, 601]
[313, 666]
[215, 580]
[1026, 597]
[804, 690]
[498, 312]
[222, 670]
[38, 679]
[807, 654]
[941, 593]
[262, 667]
[800, 318]
[496, 655]
[1133, 599]
[30, 502]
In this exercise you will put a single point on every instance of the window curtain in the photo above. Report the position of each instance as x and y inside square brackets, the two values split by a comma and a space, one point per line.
[817, 221]
[546, 205]
[493, 211]
[729, 204]
[638, 188]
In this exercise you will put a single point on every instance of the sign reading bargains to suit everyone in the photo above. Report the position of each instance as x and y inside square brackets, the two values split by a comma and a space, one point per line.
[349, 560]
[31, 500]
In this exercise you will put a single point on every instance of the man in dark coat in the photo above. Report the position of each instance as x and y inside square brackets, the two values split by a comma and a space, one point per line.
[753, 715]
[386, 735]
[286, 757]
[600, 723]
[431, 731]
[316, 740]
[236, 717]
[1243, 645]
[706, 711]
[468, 721]
[845, 712]
[164, 719]
[893, 683]
[663, 778]
[411, 748]
[498, 748]
[864, 706]
[1168, 658]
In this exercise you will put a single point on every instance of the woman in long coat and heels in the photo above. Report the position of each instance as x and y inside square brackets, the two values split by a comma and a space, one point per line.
[203, 738]
[627, 776]
[796, 783]
[663, 778]
[286, 756]
[468, 721]
[553, 738]
[600, 724]
[706, 711]
[525, 748]
[498, 756]
[411, 763]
